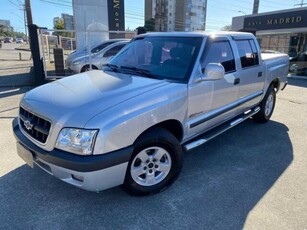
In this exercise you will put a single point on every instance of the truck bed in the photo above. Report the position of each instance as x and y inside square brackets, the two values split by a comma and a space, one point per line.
[277, 67]
[269, 56]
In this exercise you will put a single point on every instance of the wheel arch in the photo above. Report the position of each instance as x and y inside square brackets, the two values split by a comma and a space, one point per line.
[173, 126]
[88, 65]
[275, 84]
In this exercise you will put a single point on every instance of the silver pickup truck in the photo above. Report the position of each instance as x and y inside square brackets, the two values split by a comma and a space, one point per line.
[163, 94]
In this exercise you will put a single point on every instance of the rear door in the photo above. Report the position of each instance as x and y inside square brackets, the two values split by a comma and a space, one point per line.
[251, 73]
[212, 102]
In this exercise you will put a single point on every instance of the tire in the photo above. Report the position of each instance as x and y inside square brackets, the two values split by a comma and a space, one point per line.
[155, 163]
[267, 106]
[87, 68]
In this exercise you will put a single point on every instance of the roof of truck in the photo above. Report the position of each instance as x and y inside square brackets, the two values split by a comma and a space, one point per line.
[198, 34]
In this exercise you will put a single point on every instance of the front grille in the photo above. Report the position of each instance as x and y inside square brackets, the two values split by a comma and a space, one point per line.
[35, 126]
[68, 63]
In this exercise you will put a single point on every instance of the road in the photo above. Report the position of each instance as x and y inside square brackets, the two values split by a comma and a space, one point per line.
[252, 177]
[9, 54]
[13, 71]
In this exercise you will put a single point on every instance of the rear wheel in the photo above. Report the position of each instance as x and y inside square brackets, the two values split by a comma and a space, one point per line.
[267, 106]
[155, 163]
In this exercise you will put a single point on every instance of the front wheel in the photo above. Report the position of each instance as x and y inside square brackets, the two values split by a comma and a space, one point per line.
[155, 163]
[87, 68]
[267, 106]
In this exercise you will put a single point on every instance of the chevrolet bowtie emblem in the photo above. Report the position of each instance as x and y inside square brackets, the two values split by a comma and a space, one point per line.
[28, 125]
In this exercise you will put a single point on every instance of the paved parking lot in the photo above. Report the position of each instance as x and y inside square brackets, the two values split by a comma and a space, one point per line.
[15, 65]
[253, 177]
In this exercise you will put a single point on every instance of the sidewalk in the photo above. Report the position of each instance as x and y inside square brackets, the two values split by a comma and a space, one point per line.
[19, 74]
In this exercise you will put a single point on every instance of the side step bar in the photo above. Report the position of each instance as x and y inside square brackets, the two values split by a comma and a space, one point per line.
[220, 129]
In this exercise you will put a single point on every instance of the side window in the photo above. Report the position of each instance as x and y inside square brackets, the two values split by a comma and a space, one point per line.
[113, 51]
[255, 52]
[101, 46]
[248, 53]
[220, 52]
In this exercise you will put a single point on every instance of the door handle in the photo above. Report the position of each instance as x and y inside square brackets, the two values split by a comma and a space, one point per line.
[259, 74]
[237, 81]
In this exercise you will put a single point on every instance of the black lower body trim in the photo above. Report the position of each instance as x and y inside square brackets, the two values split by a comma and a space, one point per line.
[226, 109]
[72, 161]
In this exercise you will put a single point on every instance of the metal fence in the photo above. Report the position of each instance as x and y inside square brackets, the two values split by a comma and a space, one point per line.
[57, 45]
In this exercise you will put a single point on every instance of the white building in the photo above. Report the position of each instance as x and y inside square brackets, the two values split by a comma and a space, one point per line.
[177, 15]
[5, 23]
[92, 20]
[68, 21]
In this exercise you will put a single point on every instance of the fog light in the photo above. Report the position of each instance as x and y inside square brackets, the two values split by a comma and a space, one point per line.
[78, 178]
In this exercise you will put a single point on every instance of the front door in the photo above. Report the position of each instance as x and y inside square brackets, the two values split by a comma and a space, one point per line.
[212, 102]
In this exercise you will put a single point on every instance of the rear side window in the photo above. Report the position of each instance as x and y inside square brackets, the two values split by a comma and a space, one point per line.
[102, 46]
[113, 51]
[248, 53]
[220, 52]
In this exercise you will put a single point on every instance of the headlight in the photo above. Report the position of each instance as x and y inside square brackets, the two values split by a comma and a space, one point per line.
[76, 62]
[78, 141]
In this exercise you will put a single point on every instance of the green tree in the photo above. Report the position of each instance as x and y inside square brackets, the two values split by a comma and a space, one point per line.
[6, 32]
[59, 25]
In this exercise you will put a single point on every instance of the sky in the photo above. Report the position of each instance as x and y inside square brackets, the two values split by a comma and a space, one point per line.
[219, 12]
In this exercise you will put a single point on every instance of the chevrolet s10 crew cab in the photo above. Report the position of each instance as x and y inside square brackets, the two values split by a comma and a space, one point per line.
[162, 94]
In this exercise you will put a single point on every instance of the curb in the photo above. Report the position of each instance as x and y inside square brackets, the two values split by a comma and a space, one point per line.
[16, 67]
[23, 49]
[297, 77]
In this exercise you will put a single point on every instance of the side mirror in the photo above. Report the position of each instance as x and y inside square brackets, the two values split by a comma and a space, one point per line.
[213, 72]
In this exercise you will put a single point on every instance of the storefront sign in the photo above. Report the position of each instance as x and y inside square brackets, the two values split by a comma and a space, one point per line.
[291, 19]
[116, 15]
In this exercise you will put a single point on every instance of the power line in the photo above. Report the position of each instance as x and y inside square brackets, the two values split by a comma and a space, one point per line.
[301, 4]
[55, 3]
[13, 3]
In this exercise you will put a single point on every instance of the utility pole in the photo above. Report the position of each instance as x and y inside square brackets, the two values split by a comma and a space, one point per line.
[25, 22]
[28, 15]
[28, 12]
[301, 4]
[256, 6]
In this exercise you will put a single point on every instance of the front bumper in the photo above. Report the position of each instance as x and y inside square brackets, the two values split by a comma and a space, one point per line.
[93, 173]
[75, 68]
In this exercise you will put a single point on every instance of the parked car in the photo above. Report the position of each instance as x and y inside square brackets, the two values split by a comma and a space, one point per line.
[19, 40]
[77, 54]
[97, 60]
[7, 40]
[298, 64]
[132, 122]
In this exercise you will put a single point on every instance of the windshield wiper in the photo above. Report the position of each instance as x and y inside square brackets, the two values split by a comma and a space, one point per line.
[141, 72]
[113, 67]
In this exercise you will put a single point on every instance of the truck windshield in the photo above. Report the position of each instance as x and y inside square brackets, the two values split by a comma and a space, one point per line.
[169, 58]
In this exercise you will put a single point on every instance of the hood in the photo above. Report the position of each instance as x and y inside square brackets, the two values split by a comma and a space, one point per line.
[86, 58]
[76, 99]
[77, 55]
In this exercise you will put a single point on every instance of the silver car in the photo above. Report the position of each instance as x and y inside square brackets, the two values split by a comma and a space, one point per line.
[97, 60]
[83, 53]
